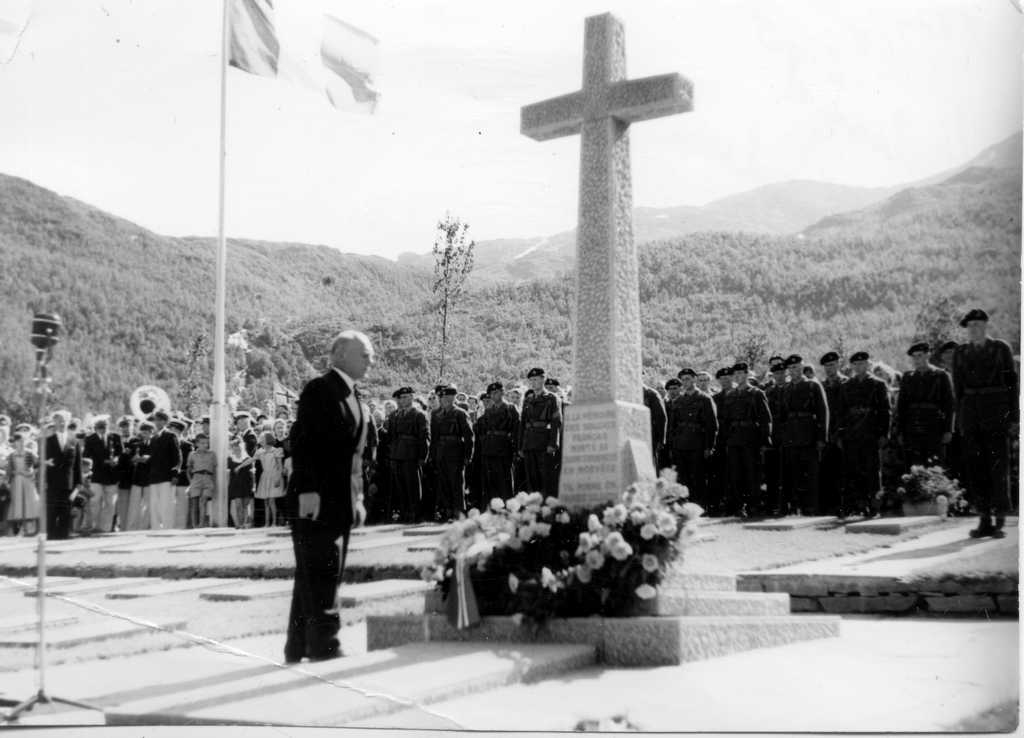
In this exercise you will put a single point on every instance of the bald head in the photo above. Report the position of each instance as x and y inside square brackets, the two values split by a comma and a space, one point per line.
[352, 352]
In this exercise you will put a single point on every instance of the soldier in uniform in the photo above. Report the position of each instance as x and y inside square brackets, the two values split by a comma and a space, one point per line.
[539, 429]
[451, 449]
[718, 482]
[924, 410]
[408, 441]
[704, 382]
[672, 389]
[498, 439]
[748, 424]
[773, 454]
[692, 431]
[553, 386]
[985, 384]
[954, 449]
[862, 427]
[804, 431]
[656, 408]
[832, 455]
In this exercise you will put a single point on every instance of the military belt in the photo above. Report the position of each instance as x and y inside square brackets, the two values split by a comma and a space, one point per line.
[449, 438]
[803, 415]
[984, 390]
[537, 424]
[202, 471]
[498, 433]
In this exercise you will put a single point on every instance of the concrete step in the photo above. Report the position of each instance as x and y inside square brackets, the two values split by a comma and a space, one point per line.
[791, 523]
[90, 586]
[895, 526]
[633, 641]
[703, 603]
[392, 595]
[159, 587]
[677, 579]
[74, 635]
[382, 682]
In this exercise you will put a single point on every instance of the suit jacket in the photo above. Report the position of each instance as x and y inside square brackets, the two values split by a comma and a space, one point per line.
[65, 471]
[325, 439]
[165, 457]
[100, 452]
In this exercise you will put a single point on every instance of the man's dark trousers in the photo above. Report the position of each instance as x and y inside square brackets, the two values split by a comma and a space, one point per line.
[319, 567]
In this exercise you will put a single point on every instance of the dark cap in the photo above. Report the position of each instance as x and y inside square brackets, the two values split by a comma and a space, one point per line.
[551, 382]
[948, 346]
[673, 383]
[146, 425]
[829, 357]
[859, 356]
[402, 391]
[686, 372]
[439, 388]
[740, 366]
[725, 371]
[535, 372]
[449, 391]
[921, 347]
[176, 423]
[495, 386]
[793, 360]
[484, 396]
[778, 366]
[162, 415]
[975, 314]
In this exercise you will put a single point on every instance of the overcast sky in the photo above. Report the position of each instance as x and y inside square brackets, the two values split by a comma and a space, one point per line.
[115, 102]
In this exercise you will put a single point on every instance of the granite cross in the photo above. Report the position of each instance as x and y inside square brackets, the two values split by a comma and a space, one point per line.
[607, 435]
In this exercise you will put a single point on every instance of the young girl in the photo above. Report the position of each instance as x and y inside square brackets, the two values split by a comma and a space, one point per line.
[271, 484]
[21, 477]
[240, 483]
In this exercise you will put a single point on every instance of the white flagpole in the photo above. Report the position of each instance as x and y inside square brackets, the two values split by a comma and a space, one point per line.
[219, 419]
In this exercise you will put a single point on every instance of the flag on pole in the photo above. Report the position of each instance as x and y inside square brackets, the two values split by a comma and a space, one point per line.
[301, 42]
[14, 16]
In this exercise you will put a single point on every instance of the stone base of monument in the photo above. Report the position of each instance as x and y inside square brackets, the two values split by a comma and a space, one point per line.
[694, 620]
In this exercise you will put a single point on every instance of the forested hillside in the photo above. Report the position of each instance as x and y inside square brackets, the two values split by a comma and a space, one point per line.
[138, 307]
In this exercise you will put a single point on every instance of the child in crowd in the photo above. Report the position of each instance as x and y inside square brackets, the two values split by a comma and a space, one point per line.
[271, 484]
[240, 483]
[202, 471]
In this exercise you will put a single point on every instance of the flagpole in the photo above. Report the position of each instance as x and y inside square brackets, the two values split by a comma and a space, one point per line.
[219, 419]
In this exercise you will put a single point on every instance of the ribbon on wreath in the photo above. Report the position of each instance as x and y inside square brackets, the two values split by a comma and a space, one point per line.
[461, 604]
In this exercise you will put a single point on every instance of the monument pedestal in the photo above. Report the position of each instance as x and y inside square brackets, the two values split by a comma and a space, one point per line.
[606, 446]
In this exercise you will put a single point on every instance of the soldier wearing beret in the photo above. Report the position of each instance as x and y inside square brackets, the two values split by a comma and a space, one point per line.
[692, 431]
[832, 456]
[451, 449]
[862, 427]
[773, 454]
[954, 449]
[804, 428]
[748, 428]
[924, 410]
[656, 407]
[409, 440]
[539, 429]
[498, 439]
[985, 386]
[719, 495]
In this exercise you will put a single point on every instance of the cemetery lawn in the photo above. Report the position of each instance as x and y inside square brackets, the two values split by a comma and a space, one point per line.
[1000, 561]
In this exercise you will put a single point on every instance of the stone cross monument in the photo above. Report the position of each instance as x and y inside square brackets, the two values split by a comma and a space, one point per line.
[607, 437]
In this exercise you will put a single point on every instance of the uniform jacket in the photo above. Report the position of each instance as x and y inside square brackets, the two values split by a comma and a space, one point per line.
[721, 399]
[63, 466]
[985, 384]
[805, 414]
[140, 466]
[775, 395]
[863, 414]
[100, 451]
[499, 431]
[165, 457]
[832, 387]
[692, 422]
[408, 435]
[659, 418]
[540, 422]
[924, 405]
[325, 438]
[748, 421]
[451, 434]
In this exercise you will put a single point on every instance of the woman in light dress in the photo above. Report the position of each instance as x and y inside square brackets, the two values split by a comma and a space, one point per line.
[21, 478]
[271, 484]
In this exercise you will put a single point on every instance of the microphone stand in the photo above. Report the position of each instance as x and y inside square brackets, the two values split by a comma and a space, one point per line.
[42, 381]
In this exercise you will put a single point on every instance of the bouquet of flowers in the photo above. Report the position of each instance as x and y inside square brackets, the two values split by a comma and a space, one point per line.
[533, 557]
[928, 484]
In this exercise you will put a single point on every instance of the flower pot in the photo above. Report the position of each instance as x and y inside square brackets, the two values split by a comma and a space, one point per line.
[930, 507]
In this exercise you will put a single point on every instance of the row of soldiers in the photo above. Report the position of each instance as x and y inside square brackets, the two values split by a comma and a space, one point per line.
[793, 445]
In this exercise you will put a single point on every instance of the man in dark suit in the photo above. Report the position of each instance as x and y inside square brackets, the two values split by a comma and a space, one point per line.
[327, 442]
[63, 476]
[164, 465]
[103, 449]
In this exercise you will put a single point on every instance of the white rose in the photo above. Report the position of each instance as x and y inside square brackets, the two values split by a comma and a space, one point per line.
[497, 504]
[648, 531]
[650, 563]
[645, 591]
[593, 524]
[583, 573]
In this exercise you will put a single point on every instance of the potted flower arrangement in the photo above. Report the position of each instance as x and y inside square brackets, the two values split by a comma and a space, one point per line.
[534, 558]
[927, 490]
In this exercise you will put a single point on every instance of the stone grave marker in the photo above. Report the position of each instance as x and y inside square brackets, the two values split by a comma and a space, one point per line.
[607, 437]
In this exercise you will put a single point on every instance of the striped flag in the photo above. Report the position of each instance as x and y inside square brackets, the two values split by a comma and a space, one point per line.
[299, 41]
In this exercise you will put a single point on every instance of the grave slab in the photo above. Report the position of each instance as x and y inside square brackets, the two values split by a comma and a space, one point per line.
[791, 523]
[259, 589]
[155, 544]
[16, 623]
[216, 544]
[271, 545]
[364, 593]
[74, 635]
[633, 641]
[24, 584]
[385, 681]
[895, 526]
[89, 586]
[420, 547]
[368, 530]
[367, 544]
[87, 544]
[427, 530]
[159, 587]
